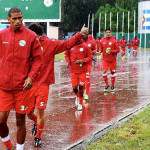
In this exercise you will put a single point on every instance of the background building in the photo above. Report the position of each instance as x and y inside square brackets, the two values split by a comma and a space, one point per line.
[144, 16]
[46, 12]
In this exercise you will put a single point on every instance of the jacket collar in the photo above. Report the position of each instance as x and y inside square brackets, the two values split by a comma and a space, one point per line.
[20, 30]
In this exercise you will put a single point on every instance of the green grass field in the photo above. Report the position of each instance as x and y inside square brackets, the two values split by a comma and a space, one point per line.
[60, 56]
[133, 135]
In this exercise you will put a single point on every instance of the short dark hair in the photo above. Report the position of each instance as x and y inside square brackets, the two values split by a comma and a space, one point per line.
[107, 30]
[37, 28]
[13, 10]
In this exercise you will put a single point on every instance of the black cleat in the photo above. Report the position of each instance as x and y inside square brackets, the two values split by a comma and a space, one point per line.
[106, 88]
[34, 129]
[37, 142]
[112, 88]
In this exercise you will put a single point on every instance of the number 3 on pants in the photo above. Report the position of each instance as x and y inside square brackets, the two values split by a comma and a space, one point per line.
[42, 104]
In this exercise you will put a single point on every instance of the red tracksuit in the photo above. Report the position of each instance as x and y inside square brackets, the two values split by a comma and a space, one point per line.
[135, 43]
[122, 43]
[78, 73]
[109, 60]
[20, 58]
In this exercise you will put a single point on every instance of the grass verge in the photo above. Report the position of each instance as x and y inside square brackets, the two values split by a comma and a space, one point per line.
[60, 56]
[133, 135]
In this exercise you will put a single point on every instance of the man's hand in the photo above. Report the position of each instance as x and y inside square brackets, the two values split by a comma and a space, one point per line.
[27, 84]
[108, 50]
[79, 62]
[84, 31]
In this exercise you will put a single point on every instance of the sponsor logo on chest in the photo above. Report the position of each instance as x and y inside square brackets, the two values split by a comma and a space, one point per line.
[81, 49]
[89, 45]
[22, 43]
[110, 43]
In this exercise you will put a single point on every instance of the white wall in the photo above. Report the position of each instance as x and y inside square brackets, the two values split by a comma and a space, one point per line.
[144, 6]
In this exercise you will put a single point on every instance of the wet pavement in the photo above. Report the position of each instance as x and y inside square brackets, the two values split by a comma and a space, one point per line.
[66, 127]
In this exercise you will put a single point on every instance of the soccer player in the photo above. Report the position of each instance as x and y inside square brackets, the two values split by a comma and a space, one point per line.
[109, 47]
[135, 42]
[78, 58]
[21, 61]
[92, 45]
[122, 43]
[129, 47]
[41, 85]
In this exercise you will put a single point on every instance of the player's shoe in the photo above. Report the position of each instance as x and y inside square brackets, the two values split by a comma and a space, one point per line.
[34, 129]
[13, 148]
[79, 107]
[37, 142]
[112, 89]
[86, 97]
[106, 88]
[77, 101]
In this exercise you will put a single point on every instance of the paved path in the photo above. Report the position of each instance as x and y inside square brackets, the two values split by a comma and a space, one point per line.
[66, 127]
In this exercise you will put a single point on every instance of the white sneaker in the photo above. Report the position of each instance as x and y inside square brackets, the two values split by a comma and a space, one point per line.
[79, 107]
[86, 97]
[77, 101]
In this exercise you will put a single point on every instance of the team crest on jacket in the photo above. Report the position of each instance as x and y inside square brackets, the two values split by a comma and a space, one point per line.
[22, 43]
[48, 3]
[41, 48]
[81, 49]
[89, 45]
[110, 43]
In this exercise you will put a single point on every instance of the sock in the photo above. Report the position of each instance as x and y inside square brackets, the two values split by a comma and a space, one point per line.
[80, 100]
[35, 120]
[39, 130]
[19, 146]
[135, 53]
[105, 79]
[7, 142]
[87, 83]
[113, 79]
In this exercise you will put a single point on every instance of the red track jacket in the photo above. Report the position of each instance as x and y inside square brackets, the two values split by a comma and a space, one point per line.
[123, 42]
[20, 57]
[79, 52]
[112, 43]
[135, 43]
[50, 49]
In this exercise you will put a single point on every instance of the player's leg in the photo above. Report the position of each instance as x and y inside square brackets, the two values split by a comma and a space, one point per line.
[74, 80]
[21, 130]
[82, 79]
[105, 68]
[87, 82]
[4, 131]
[40, 127]
[113, 77]
[6, 104]
[24, 102]
[41, 93]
